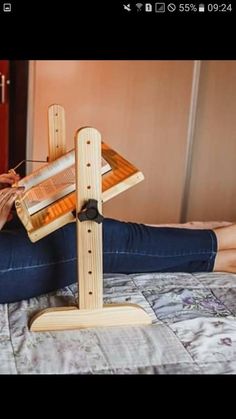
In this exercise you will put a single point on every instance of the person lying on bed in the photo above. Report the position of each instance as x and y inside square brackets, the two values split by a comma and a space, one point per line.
[29, 269]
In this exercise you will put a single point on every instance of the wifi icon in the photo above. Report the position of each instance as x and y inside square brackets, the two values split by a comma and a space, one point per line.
[139, 6]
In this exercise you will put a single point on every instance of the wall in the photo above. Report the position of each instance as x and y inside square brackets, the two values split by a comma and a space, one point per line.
[140, 108]
[212, 193]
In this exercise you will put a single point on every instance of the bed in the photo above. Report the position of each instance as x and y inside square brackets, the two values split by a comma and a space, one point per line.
[193, 330]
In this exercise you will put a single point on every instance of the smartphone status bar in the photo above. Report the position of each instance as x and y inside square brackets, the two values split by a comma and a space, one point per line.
[180, 7]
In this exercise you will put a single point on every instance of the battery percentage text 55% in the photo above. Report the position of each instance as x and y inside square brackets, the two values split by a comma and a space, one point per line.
[187, 7]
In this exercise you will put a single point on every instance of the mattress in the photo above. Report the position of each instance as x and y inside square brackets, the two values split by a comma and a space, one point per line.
[193, 329]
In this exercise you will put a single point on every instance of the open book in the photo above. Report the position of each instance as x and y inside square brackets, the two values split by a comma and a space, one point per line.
[52, 182]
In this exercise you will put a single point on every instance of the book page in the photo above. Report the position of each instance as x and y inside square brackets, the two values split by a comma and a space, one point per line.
[54, 188]
[48, 170]
[50, 190]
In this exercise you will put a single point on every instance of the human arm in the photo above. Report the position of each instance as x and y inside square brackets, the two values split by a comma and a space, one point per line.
[8, 195]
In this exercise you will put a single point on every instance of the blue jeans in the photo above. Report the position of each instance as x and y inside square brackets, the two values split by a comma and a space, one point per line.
[30, 269]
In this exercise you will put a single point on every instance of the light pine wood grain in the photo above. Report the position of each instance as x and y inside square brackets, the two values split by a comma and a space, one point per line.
[69, 318]
[89, 233]
[57, 132]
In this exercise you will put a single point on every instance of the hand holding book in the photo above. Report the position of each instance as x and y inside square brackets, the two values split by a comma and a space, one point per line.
[7, 197]
[8, 179]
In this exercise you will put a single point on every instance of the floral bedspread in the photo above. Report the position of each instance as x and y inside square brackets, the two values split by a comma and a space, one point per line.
[193, 330]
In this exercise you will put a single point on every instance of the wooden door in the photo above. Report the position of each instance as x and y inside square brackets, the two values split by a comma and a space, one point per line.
[4, 114]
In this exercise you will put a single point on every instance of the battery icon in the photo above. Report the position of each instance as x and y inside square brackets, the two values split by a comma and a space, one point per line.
[201, 7]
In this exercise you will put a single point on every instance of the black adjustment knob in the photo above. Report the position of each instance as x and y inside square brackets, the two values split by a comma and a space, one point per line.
[90, 212]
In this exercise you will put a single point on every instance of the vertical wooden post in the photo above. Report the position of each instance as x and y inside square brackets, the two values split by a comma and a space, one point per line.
[57, 132]
[89, 233]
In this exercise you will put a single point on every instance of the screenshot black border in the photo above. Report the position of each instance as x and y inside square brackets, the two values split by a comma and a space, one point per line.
[117, 30]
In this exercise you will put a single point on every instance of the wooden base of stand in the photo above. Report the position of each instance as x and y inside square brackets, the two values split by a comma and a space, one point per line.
[68, 318]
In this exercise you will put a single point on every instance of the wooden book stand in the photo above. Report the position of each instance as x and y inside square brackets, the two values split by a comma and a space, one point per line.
[122, 176]
[90, 192]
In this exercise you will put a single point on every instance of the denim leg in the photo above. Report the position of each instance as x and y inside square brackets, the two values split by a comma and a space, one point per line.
[133, 248]
[30, 269]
